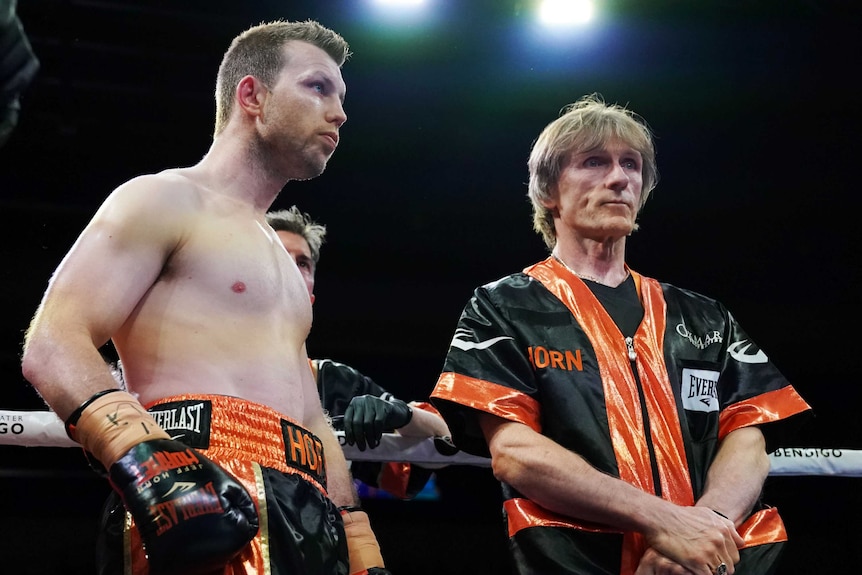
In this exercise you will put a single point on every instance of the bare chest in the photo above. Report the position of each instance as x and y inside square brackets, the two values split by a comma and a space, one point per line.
[237, 269]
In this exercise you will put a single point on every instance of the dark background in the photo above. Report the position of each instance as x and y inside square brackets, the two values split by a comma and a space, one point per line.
[756, 110]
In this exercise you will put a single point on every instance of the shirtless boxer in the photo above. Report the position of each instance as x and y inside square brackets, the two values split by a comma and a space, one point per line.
[209, 316]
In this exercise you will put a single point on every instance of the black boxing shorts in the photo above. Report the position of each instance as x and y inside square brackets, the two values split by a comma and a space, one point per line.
[282, 466]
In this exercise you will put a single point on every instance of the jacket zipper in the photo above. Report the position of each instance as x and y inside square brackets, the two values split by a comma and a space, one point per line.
[633, 356]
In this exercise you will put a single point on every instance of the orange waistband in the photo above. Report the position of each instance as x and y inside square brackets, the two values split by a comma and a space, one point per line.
[233, 428]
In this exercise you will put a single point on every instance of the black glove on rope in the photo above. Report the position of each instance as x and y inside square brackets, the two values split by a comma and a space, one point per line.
[368, 417]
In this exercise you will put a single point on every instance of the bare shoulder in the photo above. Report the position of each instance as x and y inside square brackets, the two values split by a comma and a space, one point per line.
[170, 188]
[151, 202]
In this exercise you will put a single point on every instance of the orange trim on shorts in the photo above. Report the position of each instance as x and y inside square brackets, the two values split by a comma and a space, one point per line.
[243, 437]
[247, 431]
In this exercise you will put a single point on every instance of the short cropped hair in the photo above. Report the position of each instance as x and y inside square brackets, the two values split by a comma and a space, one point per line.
[259, 52]
[584, 125]
[296, 222]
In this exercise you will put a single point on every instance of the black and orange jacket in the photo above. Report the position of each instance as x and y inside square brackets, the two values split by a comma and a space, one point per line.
[538, 348]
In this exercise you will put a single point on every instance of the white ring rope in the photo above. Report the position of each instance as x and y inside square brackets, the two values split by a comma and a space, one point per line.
[44, 429]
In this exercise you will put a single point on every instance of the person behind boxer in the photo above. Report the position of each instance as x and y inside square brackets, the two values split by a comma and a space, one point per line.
[18, 67]
[628, 420]
[360, 407]
[234, 468]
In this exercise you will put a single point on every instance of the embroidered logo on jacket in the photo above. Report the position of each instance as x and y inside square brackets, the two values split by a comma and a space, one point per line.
[699, 389]
[699, 341]
[740, 352]
[541, 357]
[461, 342]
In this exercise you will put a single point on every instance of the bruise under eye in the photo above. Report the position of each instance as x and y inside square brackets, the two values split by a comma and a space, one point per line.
[303, 263]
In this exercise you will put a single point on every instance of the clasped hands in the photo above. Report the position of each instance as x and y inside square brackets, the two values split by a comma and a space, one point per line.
[695, 541]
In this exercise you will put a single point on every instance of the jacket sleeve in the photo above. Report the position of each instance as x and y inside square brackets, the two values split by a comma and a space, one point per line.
[486, 370]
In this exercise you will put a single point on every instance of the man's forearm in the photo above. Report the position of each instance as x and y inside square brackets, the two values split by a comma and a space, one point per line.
[424, 424]
[735, 478]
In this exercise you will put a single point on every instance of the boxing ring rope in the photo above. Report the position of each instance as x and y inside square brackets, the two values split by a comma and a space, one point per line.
[44, 429]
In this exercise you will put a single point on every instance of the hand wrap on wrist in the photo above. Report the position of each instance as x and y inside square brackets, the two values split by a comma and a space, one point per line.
[361, 542]
[110, 423]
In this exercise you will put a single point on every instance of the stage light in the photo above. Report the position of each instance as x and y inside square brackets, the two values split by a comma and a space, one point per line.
[403, 17]
[400, 11]
[565, 12]
[398, 3]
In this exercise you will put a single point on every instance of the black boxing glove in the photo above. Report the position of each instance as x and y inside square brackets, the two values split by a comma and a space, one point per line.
[367, 417]
[192, 515]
